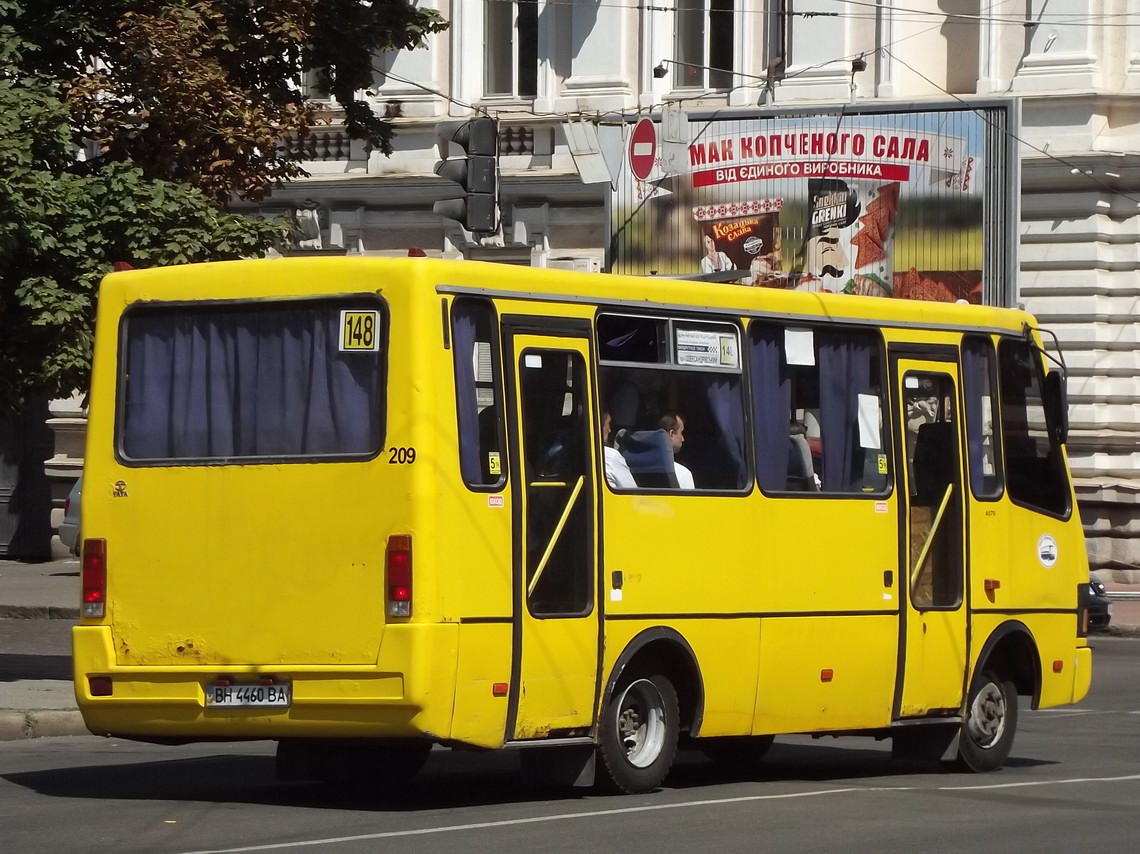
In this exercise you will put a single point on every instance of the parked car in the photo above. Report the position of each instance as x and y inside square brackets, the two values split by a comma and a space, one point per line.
[1100, 608]
[69, 527]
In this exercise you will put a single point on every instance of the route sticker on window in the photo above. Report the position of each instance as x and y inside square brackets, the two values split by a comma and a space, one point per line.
[359, 330]
[493, 465]
[707, 349]
[882, 463]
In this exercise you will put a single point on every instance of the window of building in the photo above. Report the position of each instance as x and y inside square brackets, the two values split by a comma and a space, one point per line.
[703, 42]
[1034, 465]
[511, 55]
[478, 394]
[817, 407]
[979, 379]
[234, 382]
[672, 403]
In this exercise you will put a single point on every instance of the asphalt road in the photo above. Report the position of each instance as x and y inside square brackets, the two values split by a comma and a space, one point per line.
[1073, 782]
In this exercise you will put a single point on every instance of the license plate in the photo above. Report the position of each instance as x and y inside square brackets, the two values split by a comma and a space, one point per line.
[245, 696]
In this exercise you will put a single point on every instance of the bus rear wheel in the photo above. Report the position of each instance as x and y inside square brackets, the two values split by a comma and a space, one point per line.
[991, 720]
[639, 733]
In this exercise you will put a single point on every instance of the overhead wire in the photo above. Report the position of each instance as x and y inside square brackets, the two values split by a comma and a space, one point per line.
[874, 12]
[1073, 167]
[886, 49]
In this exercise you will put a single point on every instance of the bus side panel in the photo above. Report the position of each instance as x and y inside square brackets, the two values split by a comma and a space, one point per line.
[726, 656]
[484, 660]
[1053, 636]
[824, 673]
[473, 542]
[1033, 583]
[693, 554]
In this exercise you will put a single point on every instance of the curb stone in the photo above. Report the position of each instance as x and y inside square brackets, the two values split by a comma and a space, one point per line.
[40, 724]
[1120, 632]
[38, 612]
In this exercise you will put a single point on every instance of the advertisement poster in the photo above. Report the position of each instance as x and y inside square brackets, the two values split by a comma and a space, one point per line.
[885, 204]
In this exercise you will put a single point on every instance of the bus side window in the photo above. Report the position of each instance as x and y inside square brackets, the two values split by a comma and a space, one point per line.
[818, 390]
[978, 381]
[682, 376]
[1034, 467]
[478, 393]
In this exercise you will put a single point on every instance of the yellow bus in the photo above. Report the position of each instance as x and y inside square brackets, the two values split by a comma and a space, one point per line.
[365, 506]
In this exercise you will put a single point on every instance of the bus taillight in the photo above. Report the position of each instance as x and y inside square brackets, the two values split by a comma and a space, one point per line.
[94, 578]
[400, 575]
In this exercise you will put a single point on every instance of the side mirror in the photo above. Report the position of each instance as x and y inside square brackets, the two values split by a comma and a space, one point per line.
[1057, 406]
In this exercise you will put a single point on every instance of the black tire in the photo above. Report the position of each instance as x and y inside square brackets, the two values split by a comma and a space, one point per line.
[989, 726]
[640, 727]
[738, 752]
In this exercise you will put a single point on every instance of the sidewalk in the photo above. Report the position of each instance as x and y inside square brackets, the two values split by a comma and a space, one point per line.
[39, 604]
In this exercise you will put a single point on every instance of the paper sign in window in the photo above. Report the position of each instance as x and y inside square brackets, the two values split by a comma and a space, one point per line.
[699, 348]
[869, 431]
[799, 346]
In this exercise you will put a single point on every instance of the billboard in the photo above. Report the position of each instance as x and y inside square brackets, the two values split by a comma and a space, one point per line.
[894, 204]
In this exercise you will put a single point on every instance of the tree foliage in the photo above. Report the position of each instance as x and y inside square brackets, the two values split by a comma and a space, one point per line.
[127, 125]
[205, 91]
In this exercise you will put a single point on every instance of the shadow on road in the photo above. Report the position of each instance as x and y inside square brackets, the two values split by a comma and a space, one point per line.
[451, 779]
[16, 666]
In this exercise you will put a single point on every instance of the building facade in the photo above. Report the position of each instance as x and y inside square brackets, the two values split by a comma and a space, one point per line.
[557, 73]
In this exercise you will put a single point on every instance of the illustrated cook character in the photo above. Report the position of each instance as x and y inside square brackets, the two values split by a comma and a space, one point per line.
[833, 206]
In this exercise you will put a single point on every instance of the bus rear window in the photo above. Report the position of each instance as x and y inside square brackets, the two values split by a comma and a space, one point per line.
[291, 379]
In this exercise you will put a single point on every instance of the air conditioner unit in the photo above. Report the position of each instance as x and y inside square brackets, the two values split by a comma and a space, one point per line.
[584, 264]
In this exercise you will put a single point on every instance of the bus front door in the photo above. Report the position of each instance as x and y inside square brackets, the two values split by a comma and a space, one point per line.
[555, 660]
[933, 634]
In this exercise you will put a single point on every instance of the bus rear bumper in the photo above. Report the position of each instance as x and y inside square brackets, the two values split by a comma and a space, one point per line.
[407, 693]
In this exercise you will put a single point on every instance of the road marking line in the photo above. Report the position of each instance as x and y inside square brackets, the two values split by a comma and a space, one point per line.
[483, 825]
[1041, 783]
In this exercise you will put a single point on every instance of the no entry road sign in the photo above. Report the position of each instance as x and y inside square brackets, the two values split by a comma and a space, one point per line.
[642, 149]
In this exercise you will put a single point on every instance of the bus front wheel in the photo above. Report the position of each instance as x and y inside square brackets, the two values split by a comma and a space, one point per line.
[991, 720]
[639, 733]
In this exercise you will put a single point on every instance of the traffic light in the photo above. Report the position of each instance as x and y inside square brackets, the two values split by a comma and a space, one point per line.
[477, 173]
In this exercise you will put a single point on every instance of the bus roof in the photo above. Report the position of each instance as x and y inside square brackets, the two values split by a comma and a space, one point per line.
[306, 276]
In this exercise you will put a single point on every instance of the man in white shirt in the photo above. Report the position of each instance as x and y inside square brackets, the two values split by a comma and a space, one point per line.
[674, 425]
[618, 475]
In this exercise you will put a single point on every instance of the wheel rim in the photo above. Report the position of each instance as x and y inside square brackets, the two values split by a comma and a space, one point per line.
[987, 716]
[641, 723]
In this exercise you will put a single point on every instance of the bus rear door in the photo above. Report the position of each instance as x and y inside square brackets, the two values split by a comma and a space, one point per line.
[555, 660]
[933, 651]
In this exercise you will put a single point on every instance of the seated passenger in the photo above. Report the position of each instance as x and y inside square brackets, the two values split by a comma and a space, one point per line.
[674, 425]
[618, 475]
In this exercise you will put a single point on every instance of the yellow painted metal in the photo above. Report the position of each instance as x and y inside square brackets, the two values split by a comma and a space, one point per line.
[933, 665]
[278, 568]
[558, 655]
